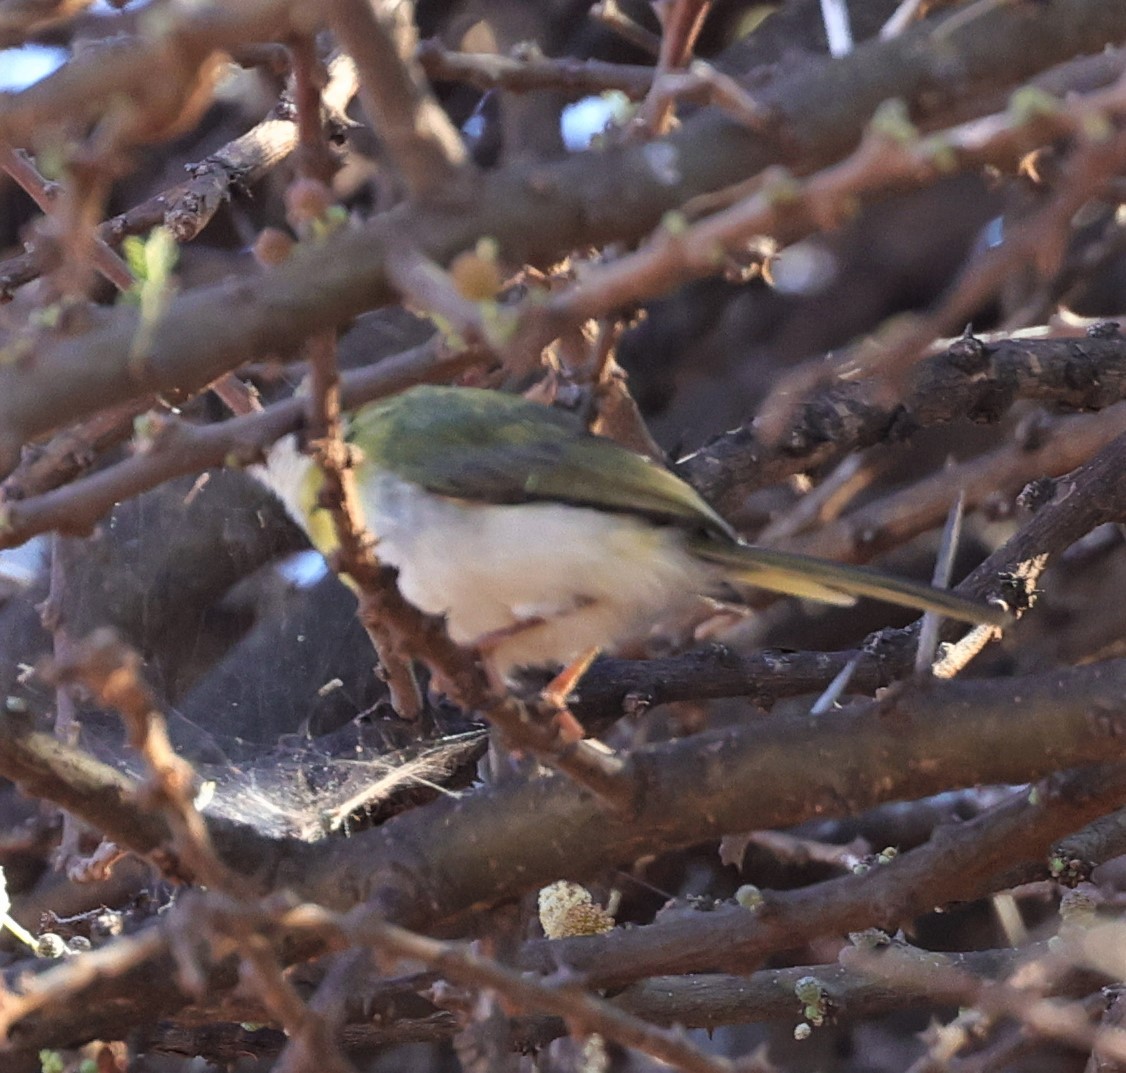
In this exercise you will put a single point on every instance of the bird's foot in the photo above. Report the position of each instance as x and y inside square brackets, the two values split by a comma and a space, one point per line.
[558, 691]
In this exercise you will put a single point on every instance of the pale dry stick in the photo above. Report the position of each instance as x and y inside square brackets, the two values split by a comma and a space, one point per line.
[838, 31]
[824, 502]
[954, 658]
[240, 398]
[900, 19]
[421, 140]
[943, 568]
[835, 688]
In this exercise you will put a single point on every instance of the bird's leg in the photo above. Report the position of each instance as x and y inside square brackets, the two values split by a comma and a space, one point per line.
[489, 642]
[563, 684]
[557, 692]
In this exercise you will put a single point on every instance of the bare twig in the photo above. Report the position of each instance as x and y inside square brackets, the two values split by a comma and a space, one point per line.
[943, 568]
[610, 13]
[178, 448]
[526, 74]
[356, 546]
[962, 861]
[20, 167]
[311, 1041]
[421, 140]
[586, 1012]
[681, 23]
[838, 32]
[111, 670]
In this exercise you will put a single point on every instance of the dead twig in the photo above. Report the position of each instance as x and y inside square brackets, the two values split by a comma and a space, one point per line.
[420, 138]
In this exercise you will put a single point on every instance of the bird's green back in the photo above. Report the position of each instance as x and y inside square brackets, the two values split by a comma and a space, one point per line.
[491, 447]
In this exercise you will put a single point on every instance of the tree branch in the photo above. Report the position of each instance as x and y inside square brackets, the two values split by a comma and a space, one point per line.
[536, 212]
[421, 140]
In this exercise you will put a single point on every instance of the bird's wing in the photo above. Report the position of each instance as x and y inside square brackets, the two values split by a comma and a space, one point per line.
[515, 451]
[836, 583]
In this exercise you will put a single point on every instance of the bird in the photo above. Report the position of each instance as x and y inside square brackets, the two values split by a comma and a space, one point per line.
[540, 541]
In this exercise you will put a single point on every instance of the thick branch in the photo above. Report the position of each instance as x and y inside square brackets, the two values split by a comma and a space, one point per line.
[1068, 509]
[433, 863]
[539, 212]
[527, 74]
[970, 378]
[99, 79]
[769, 774]
[180, 449]
[961, 862]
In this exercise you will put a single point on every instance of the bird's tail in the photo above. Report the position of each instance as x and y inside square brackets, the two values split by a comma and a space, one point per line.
[835, 583]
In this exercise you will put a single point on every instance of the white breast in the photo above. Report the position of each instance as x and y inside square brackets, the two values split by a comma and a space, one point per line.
[595, 579]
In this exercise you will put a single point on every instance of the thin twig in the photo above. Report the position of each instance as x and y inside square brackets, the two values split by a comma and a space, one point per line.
[681, 23]
[111, 670]
[943, 568]
[177, 448]
[45, 194]
[583, 1010]
[356, 551]
[421, 139]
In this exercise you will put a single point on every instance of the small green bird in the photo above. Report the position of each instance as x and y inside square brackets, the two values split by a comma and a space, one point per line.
[539, 541]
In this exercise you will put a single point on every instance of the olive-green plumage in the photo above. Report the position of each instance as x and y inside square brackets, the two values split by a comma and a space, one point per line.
[541, 540]
[494, 448]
